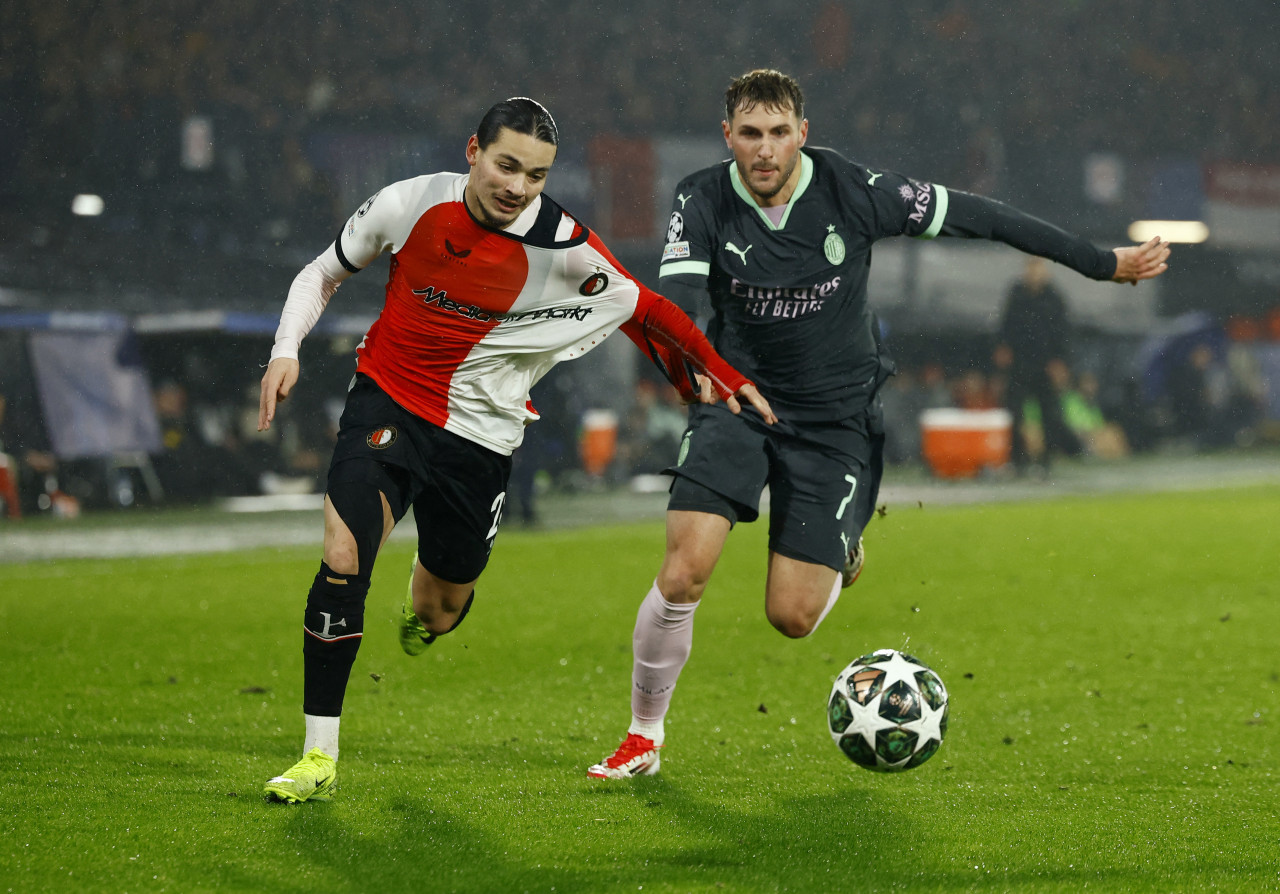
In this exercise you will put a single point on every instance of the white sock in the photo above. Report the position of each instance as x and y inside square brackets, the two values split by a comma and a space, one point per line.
[654, 731]
[831, 602]
[661, 645]
[322, 733]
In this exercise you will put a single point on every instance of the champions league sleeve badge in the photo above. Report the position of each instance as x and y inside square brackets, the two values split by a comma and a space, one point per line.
[675, 227]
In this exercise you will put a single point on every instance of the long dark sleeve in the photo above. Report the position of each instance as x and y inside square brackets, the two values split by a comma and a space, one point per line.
[972, 216]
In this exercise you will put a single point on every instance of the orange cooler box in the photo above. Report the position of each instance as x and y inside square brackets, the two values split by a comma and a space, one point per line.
[961, 443]
[598, 443]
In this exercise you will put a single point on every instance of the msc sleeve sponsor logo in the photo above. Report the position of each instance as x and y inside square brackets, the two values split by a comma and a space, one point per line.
[923, 197]
[675, 250]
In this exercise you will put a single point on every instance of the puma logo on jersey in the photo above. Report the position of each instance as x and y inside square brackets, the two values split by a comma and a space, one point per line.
[740, 252]
[874, 178]
[683, 198]
[457, 253]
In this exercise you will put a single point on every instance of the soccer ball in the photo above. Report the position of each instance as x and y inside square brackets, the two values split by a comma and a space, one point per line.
[888, 711]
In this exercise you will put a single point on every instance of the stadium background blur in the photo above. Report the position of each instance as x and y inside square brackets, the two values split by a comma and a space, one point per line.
[166, 168]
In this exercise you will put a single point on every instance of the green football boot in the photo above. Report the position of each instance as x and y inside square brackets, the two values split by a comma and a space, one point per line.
[310, 779]
[414, 638]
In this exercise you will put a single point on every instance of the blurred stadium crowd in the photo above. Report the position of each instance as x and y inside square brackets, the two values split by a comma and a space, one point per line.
[122, 98]
[991, 97]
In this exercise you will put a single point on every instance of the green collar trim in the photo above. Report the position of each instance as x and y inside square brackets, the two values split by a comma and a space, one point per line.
[806, 176]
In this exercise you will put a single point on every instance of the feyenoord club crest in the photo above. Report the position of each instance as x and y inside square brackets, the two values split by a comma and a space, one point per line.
[593, 285]
[382, 438]
[833, 246]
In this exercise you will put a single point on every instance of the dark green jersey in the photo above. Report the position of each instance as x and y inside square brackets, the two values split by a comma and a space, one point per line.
[789, 301]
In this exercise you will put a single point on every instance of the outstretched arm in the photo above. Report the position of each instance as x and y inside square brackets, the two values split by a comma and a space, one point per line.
[680, 350]
[978, 217]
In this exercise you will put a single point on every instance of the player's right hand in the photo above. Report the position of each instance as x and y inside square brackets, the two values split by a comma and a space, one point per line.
[277, 382]
[707, 395]
[1135, 263]
[756, 399]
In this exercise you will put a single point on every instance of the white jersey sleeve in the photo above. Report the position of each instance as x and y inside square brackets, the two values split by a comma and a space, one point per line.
[308, 296]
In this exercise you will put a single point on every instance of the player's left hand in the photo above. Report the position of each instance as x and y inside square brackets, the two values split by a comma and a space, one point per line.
[1135, 263]
[707, 395]
[277, 383]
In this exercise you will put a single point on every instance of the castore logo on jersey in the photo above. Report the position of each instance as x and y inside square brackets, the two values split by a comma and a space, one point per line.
[456, 252]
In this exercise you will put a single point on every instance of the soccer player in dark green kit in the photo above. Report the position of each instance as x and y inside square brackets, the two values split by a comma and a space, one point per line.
[779, 239]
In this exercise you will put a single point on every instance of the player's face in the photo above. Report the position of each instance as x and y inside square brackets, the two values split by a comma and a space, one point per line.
[766, 147]
[506, 176]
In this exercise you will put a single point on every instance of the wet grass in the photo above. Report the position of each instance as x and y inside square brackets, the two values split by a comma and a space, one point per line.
[1112, 665]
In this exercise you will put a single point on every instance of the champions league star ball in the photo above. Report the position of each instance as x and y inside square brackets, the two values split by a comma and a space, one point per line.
[888, 711]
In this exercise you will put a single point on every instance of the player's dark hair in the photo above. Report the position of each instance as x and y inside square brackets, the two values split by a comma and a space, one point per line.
[763, 87]
[521, 114]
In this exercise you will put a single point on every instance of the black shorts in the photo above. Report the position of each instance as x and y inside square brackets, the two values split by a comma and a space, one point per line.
[823, 479]
[457, 488]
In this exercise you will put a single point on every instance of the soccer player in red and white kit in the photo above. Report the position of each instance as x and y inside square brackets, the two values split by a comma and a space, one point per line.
[491, 284]
[779, 238]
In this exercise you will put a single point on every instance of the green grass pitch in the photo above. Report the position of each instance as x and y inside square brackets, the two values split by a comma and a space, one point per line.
[1112, 663]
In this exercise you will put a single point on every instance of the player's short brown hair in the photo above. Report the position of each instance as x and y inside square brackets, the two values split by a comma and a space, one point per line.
[763, 86]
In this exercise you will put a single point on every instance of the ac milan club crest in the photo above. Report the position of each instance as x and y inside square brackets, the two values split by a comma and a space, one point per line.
[382, 438]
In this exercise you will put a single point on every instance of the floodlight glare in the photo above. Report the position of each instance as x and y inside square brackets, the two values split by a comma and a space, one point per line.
[87, 205]
[1189, 231]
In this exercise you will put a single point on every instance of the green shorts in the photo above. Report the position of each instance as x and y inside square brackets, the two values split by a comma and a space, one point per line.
[823, 478]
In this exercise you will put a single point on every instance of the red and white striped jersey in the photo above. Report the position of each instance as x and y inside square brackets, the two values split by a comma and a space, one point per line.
[474, 316]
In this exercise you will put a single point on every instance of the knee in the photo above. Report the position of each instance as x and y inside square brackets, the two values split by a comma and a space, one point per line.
[438, 619]
[793, 622]
[342, 557]
[356, 522]
[441, 608]
[681, 581]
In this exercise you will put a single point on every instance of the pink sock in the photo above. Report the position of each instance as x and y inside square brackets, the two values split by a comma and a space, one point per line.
[831, 603]
[661, 644]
